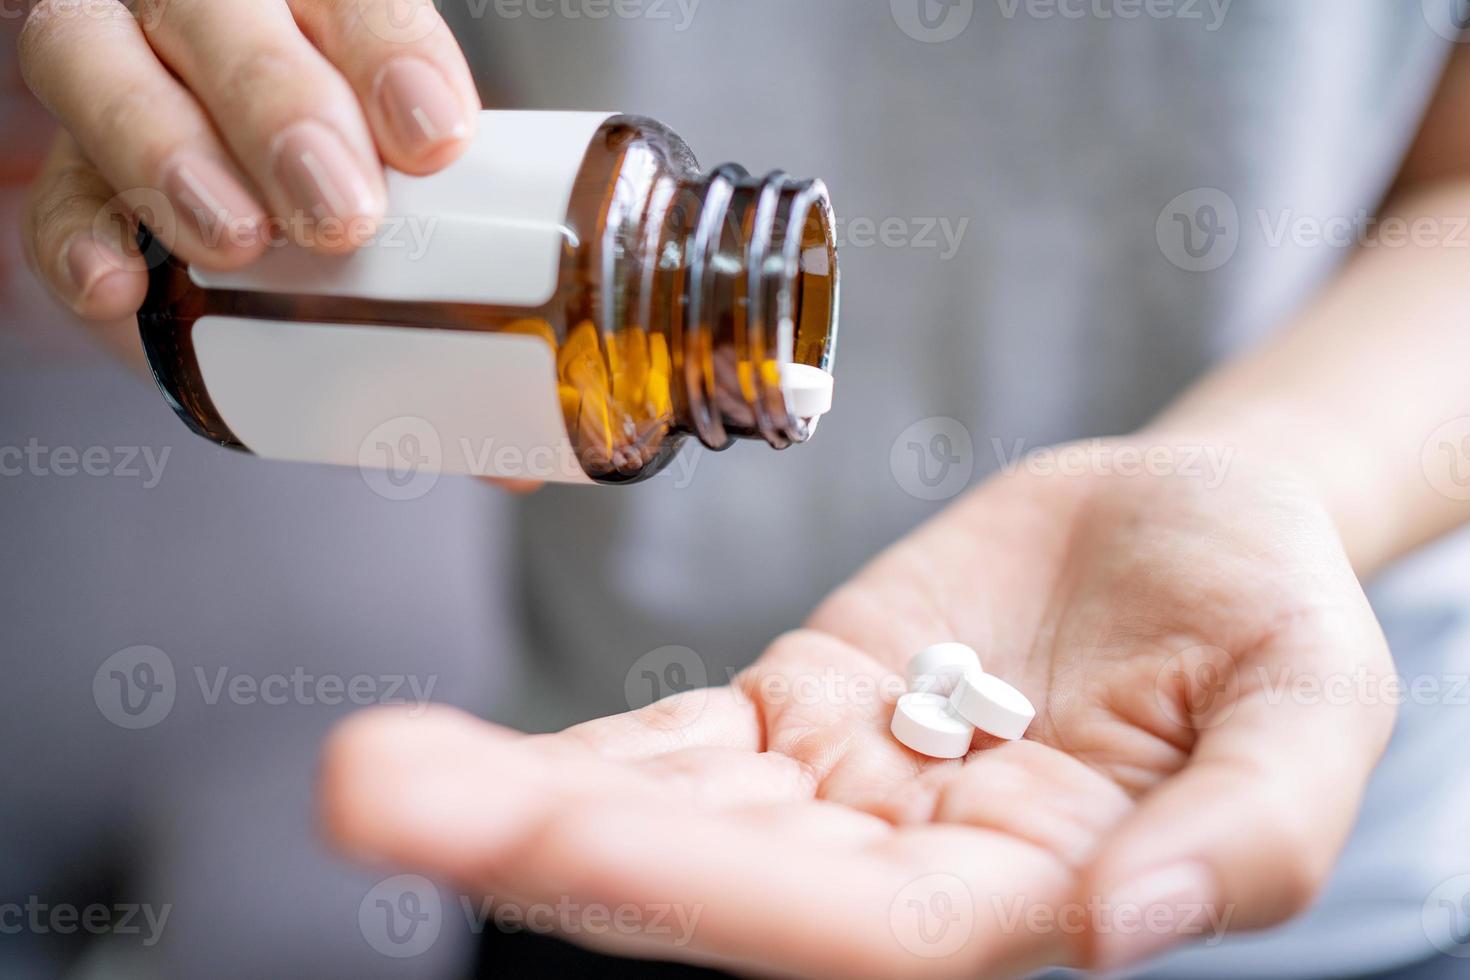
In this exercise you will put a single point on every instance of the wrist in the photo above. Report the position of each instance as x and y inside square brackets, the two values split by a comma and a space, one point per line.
[1282, 442]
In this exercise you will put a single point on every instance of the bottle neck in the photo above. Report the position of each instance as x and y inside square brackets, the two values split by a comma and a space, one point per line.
[756, 288]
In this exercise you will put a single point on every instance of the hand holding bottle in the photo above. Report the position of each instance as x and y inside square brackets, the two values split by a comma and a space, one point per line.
[278, 116]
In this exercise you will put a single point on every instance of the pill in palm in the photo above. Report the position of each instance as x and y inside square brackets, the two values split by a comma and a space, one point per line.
[927, 724]
[937, 669]
[992, 705]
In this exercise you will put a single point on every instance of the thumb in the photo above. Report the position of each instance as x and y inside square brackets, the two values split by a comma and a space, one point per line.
[1246, 834]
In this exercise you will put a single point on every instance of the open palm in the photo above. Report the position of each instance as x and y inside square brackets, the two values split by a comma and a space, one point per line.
[1175, 782]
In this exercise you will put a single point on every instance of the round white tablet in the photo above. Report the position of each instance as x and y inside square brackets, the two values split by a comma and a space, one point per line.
[808, 390]
[926, 724]
[937, 669]
[992, 705]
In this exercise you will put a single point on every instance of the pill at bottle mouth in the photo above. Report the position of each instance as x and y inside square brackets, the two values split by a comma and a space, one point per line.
[927, 724]
[937, 669]
[992, 705]
[808, 390]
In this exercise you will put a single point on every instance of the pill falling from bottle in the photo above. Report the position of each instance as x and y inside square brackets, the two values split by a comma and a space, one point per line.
[951, 696]
[808, 390]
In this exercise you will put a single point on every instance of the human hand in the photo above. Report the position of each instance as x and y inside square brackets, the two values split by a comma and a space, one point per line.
[225, 127]
[1151, 620]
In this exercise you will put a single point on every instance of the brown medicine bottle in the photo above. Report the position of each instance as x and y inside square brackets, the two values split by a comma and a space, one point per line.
[568, 302]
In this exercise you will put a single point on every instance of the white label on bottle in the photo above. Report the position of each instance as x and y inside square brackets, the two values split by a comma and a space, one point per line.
[487, 229]
[403, 400]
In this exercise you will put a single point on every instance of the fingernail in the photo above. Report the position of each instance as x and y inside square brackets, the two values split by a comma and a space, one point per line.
[220, 210]
[320, 175]
[420, 107]
[87, 263]
[1154, 912]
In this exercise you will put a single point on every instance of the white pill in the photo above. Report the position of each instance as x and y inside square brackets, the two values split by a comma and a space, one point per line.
[937, 669]
[808, 390]
[926, 724]
[992, 705]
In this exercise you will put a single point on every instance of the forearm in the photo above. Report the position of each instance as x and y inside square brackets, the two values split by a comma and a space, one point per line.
[1356, 393]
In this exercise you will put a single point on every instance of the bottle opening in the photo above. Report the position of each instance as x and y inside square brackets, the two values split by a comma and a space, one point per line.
[800, 305]
[815, 314]
[762, 293]
[816, 288]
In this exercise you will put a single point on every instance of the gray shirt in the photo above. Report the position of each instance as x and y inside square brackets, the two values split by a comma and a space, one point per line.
[1055, 215]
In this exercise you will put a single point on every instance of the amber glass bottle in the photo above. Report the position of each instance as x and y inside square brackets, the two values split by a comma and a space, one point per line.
[568, 302]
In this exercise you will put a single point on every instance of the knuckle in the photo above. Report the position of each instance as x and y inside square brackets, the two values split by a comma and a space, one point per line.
[271, 85]
[265, 65]
[263, 68]
[71, 199]
[76, 181]
[56, 213]
[43, 30]
[48, 22]
[127, 127]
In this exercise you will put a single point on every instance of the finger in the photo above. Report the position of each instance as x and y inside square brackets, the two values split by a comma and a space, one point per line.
[77, 235]
[749, 886]
[418, 788]
[446, 787]
[141, 129]
[723, 777]
[714, 716]
[408, 73]
[288, 116]
[829, 704]
[1246, 834]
